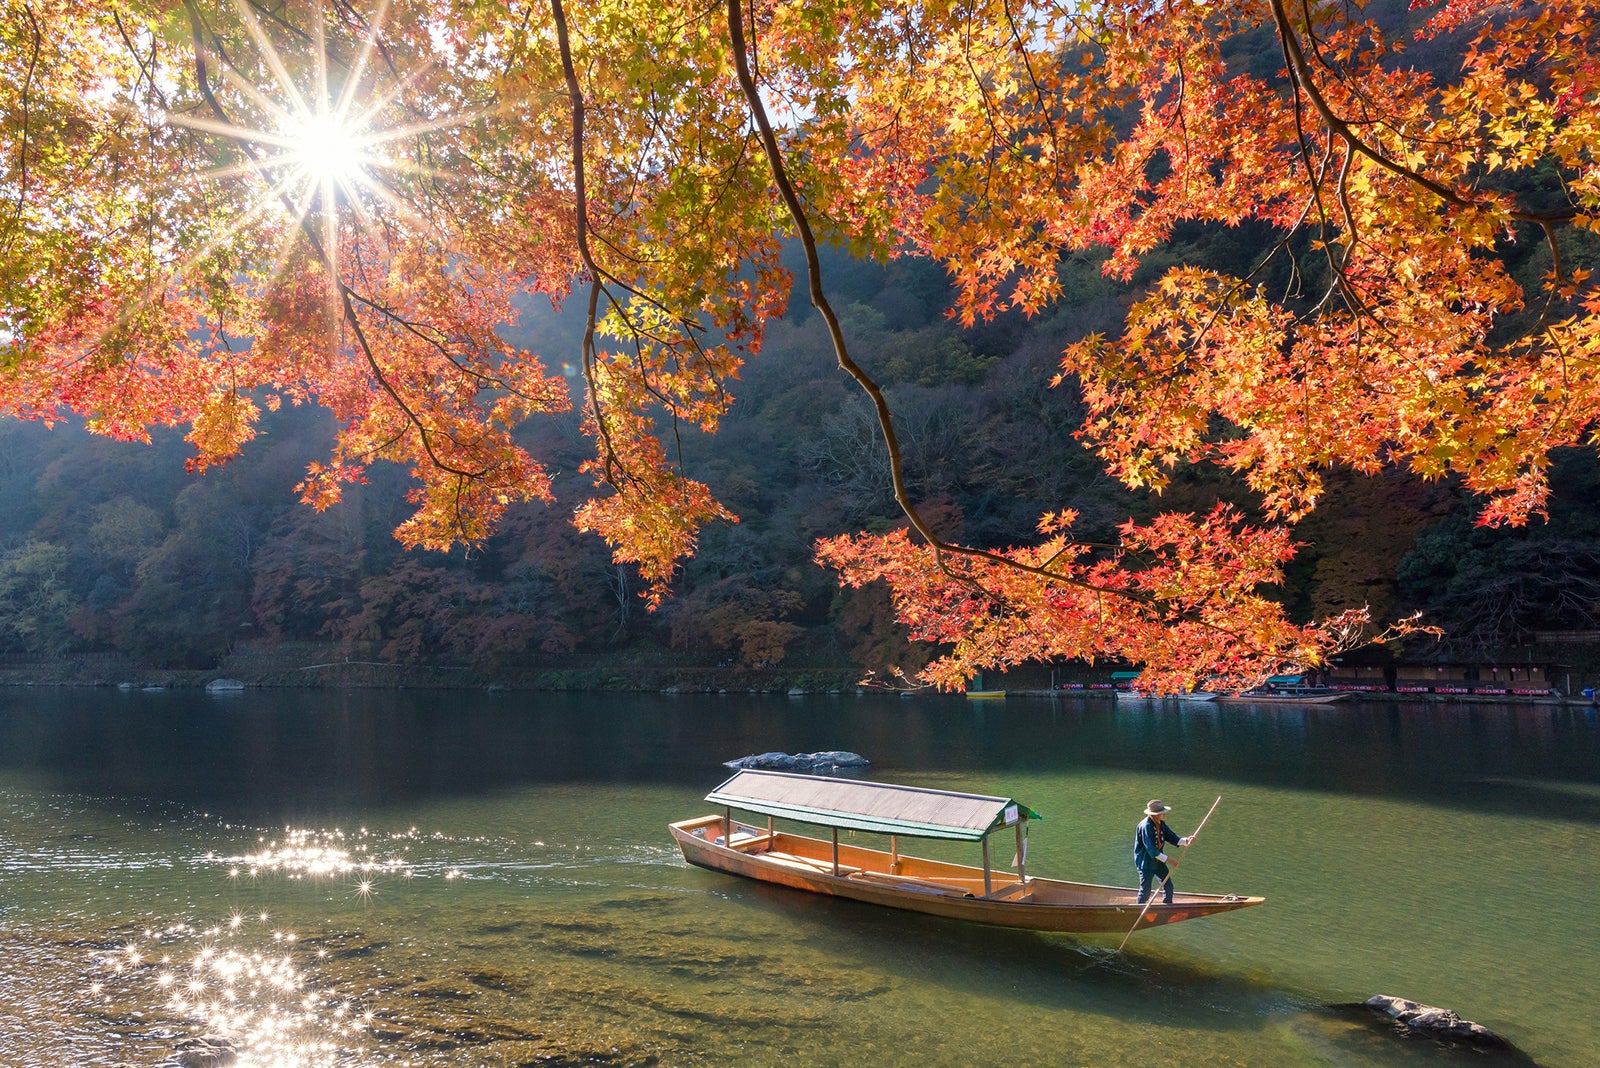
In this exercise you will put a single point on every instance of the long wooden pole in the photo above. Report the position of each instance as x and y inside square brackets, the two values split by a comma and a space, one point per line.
[1151, 900]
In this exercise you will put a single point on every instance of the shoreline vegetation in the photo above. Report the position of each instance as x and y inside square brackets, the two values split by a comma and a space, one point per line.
[314, 666]
[310, 665]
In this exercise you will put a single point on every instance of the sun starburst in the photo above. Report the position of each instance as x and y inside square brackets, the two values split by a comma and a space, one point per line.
[330, 150]
[309, 129]
[316, 138]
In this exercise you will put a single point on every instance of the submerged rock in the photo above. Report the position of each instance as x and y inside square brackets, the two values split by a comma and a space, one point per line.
[208, 1052]
[1440, 1023]
[799, 761]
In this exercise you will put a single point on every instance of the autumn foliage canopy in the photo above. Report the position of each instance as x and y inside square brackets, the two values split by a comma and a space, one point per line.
[208, 207]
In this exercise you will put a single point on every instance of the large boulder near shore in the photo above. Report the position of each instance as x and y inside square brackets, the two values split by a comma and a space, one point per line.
[1439, 1023]
[799, 761]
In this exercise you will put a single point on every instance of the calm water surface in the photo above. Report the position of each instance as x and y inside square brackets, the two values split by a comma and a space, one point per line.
[466, 879]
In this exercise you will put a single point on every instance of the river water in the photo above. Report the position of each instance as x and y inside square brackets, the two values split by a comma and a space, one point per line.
[463, 879]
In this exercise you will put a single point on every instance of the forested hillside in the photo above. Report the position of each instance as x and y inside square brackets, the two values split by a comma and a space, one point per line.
[110, 546]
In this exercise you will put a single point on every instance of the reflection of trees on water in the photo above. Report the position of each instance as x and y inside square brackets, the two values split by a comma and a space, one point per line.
[337, 751]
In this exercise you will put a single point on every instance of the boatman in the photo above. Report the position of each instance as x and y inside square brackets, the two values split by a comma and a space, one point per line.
[1149, 850]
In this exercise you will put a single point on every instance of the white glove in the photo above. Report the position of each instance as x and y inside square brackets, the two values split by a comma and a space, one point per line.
[1162, 857]
[1185, 841]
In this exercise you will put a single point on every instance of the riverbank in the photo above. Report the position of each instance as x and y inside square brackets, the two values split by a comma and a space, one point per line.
[424, 679]
[305, 665]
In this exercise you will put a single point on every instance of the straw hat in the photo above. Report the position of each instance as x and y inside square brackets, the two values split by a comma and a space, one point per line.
[1156, 808]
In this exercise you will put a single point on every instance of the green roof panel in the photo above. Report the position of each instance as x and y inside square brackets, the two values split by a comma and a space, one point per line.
[878, 807]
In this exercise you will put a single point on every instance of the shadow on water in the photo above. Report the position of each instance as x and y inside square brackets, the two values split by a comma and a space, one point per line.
[1041, 971]
[1146, 985]
[308, 751]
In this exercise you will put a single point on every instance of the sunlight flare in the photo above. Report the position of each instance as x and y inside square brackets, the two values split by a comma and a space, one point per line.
[330, 150]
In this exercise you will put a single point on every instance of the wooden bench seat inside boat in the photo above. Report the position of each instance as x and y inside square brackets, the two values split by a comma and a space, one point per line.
[911, 882]
[809, 863]
[745, 839]
[1011, 892]
[760, 843]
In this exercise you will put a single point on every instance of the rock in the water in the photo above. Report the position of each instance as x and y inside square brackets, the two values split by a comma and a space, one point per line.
[799, 761]
[207, 1052]
[1428, 1020]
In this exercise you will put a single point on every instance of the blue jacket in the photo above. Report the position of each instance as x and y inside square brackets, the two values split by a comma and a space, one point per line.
[1148, 841]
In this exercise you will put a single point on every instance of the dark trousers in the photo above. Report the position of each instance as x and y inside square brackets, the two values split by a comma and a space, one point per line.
[1153, 872]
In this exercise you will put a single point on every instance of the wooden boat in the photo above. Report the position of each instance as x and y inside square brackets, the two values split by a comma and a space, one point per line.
[986, 695]
[1000, 897]
[1125, 687]
[1304, 695]
[1288, 689]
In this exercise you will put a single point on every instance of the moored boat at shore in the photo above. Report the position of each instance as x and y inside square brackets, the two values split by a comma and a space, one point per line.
[1289, 689]
[1307, 696]
[996, 896]
[1125, 687]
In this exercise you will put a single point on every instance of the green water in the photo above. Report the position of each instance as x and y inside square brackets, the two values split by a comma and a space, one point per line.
[465, 879]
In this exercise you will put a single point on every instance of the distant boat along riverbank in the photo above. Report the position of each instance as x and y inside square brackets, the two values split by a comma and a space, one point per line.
[307, 665]
[427, 678]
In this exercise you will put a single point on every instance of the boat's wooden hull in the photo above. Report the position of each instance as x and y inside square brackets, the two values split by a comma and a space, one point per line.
[937, 888]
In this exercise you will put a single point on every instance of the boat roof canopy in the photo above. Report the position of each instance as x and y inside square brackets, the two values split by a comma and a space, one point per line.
[880, 807]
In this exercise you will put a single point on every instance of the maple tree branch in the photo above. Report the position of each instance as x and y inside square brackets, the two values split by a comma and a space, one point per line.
[1341, 128]
[1038, 90]
[603, 428]
[990, 108]
[580, 213]
[346, 294]
[36, 46]
[1317, 176]
[348, 297]
[146, 71]
[577, 111]
[1557, 273]
[273, 13]
[1341, 284]
[691, 329]
[819, 300]
[1300, 68]
[1374, 114]
[1338, 262]
[438, 340]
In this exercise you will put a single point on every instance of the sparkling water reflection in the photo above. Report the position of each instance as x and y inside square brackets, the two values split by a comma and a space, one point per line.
[359, 879]
[241, 982]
